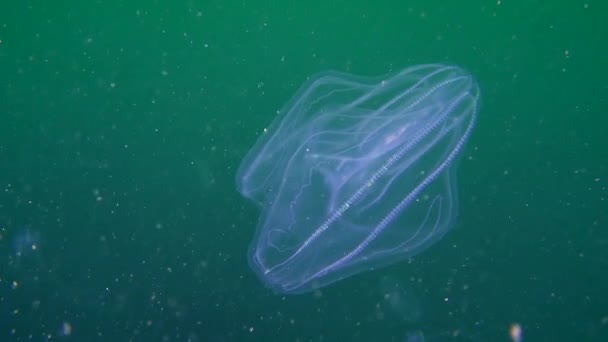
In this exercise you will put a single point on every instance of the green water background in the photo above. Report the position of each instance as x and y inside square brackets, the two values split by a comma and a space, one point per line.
[122, 124]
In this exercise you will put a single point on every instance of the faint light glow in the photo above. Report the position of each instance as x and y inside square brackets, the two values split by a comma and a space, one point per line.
[516, 332]
[66, 329]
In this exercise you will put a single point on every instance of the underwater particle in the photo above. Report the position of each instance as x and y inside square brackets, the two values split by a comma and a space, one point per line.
[415, 336]
[66, 329]
[516, 332]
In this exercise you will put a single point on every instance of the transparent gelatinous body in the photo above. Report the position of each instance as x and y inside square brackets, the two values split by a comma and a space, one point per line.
[357, 173]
